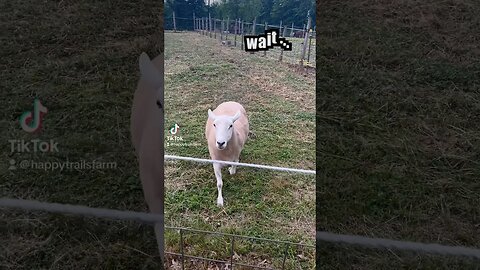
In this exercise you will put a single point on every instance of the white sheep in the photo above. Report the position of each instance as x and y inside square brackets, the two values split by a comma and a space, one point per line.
[147, 136]
[226, 132]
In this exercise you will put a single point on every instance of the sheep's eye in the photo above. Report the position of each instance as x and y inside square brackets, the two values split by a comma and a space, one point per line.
[214, 125]
[231, 126]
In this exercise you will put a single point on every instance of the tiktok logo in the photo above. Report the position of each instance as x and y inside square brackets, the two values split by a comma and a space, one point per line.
[31, 122]
[174, 129]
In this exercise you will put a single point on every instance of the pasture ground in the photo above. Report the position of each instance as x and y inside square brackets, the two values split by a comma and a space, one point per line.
[398, 107]
[200, 73]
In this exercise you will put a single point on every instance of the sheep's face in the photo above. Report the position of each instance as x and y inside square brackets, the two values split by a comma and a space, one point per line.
[223, 126]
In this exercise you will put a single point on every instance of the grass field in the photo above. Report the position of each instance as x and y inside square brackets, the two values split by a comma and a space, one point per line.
[81, 60]
[398, 107]
[200, 73]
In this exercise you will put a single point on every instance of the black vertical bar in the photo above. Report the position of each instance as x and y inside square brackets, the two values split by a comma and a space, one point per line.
[232, 252]
[181, 249]
[285, 256]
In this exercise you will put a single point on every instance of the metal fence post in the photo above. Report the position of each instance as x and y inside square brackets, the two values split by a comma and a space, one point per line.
[181, 249]
[285, 256]
[232, 252]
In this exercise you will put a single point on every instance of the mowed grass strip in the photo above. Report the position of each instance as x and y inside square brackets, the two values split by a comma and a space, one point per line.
[200, 74]
[398, 139]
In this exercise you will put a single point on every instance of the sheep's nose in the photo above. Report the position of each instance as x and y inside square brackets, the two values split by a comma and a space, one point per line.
[220, 144]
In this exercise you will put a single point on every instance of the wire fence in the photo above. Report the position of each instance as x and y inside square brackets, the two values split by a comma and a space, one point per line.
[148, 218]
[258, 166]
[231, 32]
[234, 238]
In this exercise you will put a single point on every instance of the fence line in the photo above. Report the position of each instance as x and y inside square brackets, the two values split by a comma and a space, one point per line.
[81, 210]
[246, 23]
[320, 235]
[301, 53]
[397, 244]
[146, 218]
[267, 167]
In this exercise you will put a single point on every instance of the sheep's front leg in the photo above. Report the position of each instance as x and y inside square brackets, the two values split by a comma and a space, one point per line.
[233, 168]
[218, 174]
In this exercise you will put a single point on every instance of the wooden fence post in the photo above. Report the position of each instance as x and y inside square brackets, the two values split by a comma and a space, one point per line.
[253, 26]
[309, 44]
[241, 35]
[305, 39]
[210, 25]
[227, 28]
[221, 29]
[235, 40]
[174, 23]
[266, 28]
[194, 22]
[282, 35]
[291, 32]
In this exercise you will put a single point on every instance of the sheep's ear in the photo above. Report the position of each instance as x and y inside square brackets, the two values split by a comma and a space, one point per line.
[211, 115]
[149, 72]
[236, 116]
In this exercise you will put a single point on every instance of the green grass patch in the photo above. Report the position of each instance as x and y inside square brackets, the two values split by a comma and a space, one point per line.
[200, 74]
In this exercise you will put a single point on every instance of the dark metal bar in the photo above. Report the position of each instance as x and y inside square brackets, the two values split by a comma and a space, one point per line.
[285, 256]
[181, 249]
[232, 252]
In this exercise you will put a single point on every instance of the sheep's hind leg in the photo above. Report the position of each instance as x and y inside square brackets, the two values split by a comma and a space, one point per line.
[217, 168]
[233, 168]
